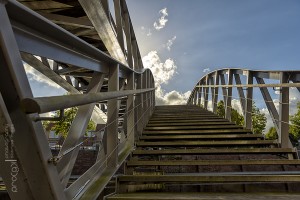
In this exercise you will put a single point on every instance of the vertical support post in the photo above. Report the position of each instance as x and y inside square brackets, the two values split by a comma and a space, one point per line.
[195, 97]
[211, 83]
[144, 97]
[148, 97]
[199, 94]
[206, 92]
[241, 93]
[229, 96]
[128, 39]
[135, 55]
[139, 106]
[118, 14]
[37, 179]
[224, 91]
[283, 134]
[216, 92]
[112, 115]
[130, 114]
[248, 106]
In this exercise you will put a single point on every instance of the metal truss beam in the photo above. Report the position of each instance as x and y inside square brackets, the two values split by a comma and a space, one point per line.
[280, 119]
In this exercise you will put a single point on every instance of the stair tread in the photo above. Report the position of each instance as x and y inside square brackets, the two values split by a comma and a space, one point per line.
[219, 136]
[208, 143]
[196, 127]
[211, 162]
[214, 151]
[204, 196]
[217, 131]
[191, 123]
[210, 178]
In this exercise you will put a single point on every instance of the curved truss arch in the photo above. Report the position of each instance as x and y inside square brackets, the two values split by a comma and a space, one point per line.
[208, 87]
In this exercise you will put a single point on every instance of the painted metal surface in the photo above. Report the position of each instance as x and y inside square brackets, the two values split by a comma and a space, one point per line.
[84, 70]
[280, 118]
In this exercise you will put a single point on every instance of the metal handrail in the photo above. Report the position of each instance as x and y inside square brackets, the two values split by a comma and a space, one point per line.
[48, 104]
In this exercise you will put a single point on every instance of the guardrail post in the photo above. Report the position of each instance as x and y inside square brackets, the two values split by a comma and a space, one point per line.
[229, 96]
[248, 106]
[216, 92]
[128, 39]
[206, 90]
[283, 135]
[139, 107]
[118, 15]
[148, 97]
[112, 119]
[130, 110]
[195, 97]
[199, 95]
[144, 101]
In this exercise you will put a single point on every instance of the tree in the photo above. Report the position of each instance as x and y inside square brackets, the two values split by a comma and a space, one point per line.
[62, 127]
[235, 116]
[295, 121]
[221, 109]
[259, 120]
[271, 134]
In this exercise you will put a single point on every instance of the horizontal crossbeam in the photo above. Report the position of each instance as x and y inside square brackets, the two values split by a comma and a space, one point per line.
[48, 104]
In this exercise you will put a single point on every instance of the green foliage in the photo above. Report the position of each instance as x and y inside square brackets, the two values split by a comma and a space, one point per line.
[271, 134]
[235, 116]
[259, 120]
[62, 127]
[221, 109]
[295, 121]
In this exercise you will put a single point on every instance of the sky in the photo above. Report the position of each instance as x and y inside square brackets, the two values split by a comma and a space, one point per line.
[198, 36]
[182, 40]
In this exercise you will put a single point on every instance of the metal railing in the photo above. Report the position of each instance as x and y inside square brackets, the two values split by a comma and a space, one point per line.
[94, 80]
[207, 90]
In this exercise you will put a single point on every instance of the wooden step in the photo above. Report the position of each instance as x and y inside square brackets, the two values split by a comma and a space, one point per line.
[134, 163]
[187, 132]
[202, 137]
[158, 128]
[187, 117]
[203, 196]
[208, 143]
[187, 120]
[216, 151]
[202, 123]
[209, 179]
[184, 115]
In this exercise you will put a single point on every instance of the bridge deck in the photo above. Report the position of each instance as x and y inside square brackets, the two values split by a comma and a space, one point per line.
[190, 150]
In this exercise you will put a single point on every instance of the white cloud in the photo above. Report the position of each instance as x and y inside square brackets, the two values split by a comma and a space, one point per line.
[163, 72]
[170, 43]
[35, 75]
[206, 70]
[142, 27]
[236, 104]
[162, 20]
[171, 98]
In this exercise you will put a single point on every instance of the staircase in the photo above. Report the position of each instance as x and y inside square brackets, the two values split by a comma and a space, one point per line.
[186, 152]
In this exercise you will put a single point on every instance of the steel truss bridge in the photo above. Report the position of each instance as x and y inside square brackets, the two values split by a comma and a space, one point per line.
[93, 54]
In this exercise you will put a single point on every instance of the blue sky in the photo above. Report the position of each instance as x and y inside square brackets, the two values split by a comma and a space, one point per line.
[253, 34]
